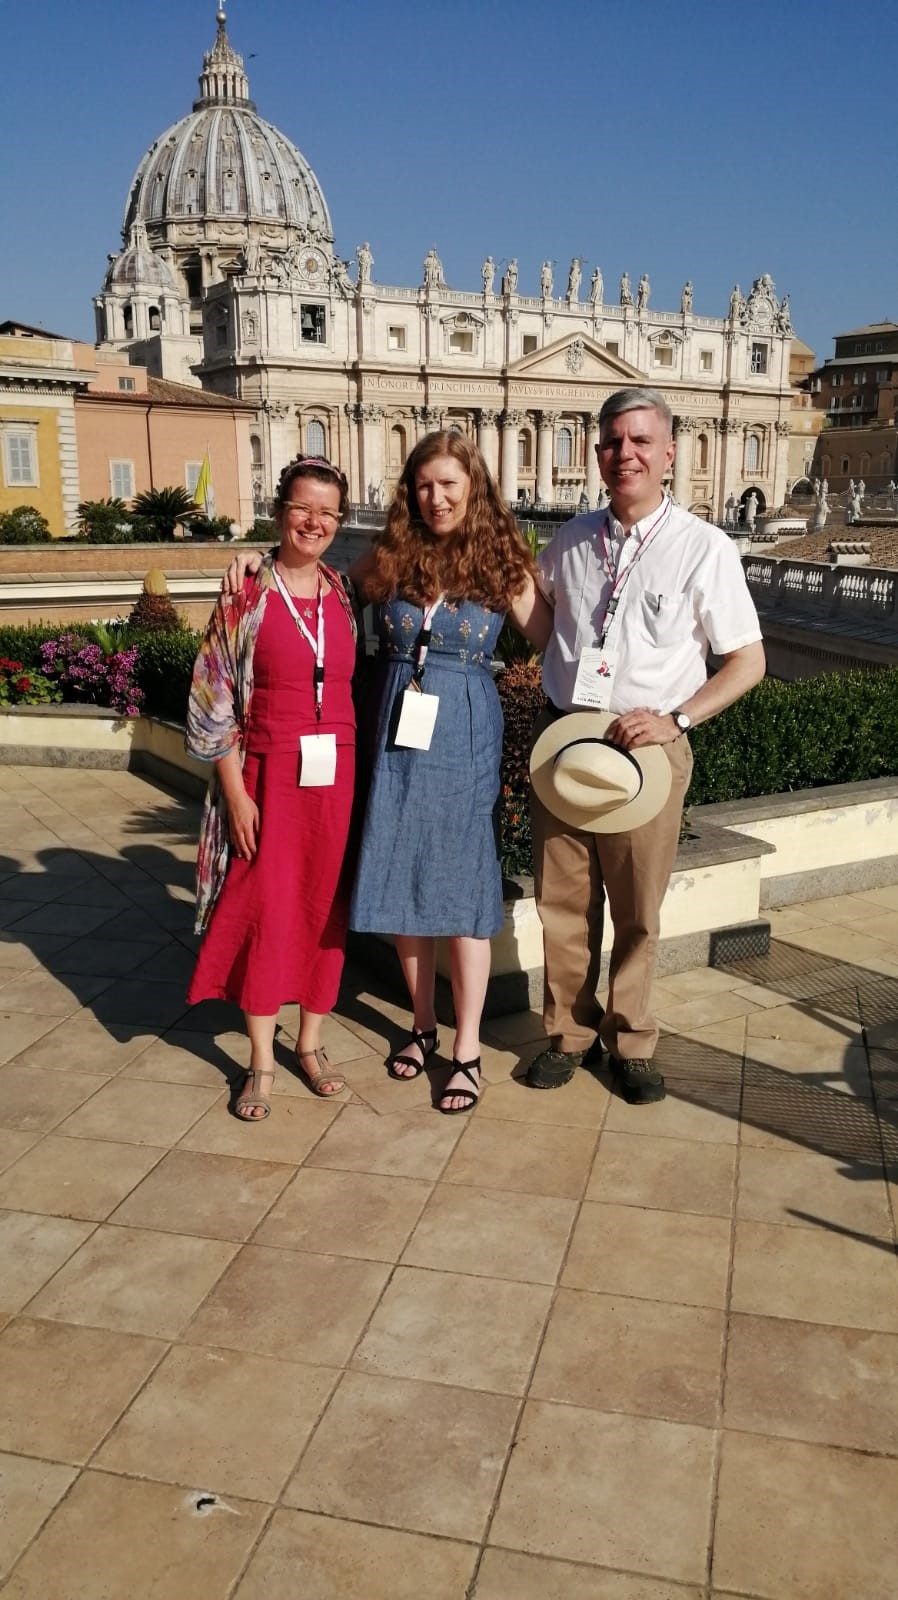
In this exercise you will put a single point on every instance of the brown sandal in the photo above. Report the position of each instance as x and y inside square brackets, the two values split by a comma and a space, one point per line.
[323, 1073]
[247, 1100]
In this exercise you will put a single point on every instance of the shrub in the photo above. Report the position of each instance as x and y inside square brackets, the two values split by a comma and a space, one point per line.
[211, 527]
[24, 525]
[21, 686]
[24, 644]
[263, 531]
[105, 522]
[164, 668]
[153, 611]
[521, 694]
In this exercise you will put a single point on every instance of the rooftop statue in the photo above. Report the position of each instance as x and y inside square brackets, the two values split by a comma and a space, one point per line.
[642, 292]
[596, 288]
[573, 279]
[626, 293]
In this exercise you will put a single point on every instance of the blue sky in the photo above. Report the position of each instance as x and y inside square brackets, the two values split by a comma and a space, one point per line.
[701, 140]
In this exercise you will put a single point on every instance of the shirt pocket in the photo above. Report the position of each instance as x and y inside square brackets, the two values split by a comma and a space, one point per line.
[666, 617]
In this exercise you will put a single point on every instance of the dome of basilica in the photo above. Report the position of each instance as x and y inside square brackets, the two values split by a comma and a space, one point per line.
[139, 265]
[223, 164]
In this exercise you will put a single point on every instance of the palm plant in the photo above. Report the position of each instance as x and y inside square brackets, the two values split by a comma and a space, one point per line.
[158, 511]
[105, 521]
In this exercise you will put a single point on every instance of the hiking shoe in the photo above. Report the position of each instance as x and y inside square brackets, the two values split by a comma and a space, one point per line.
[551, 1068]
[639, 1080]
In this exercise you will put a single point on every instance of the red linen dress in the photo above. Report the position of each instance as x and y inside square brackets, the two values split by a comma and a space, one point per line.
[278, 930]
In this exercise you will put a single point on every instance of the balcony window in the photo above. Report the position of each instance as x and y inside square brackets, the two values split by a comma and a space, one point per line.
[759, 359]
[396, 338]
[706, 360]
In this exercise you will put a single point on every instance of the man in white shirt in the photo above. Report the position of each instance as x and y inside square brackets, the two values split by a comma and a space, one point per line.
[658, 589]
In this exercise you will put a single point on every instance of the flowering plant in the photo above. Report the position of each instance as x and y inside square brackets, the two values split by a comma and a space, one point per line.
[22, 687]
[86, 671]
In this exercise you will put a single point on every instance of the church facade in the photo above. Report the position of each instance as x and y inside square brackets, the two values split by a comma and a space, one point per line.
[229, 278]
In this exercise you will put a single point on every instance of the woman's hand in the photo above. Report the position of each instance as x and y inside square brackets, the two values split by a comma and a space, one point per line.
[247, 561]
[243, 826]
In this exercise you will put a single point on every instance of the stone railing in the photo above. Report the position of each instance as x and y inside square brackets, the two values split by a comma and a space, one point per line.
[826, 590]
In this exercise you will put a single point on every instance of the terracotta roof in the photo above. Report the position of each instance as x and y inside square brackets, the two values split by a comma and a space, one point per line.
[883, 543]
[872, 327]
[162, 391]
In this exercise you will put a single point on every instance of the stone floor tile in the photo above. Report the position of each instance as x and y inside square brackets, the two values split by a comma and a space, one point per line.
[697, 983]
[32, 1100]
[781, 1112]
[570, 1484]
[142, 1004]
[82, 1044]
[294, 1128]
[812, 1275]
[419, 1456]
[887, 895]
[184, 1057]
[476, 1231]
[582, 1103]
[707, 1112]
[61, 1179]
[840, 1068]
[720, 1039]
[402, 1146]
[52, 996]
[19, 1029]
[29, 1490]
[664, 1174]
[128, 1538]
[37, 949]
[824, 1385]
[225, 1419]
[870, 954]
[134, 1281]
[32, 1248]
[839, 908]
[520, 1027]
[610, 1353]
[804, 1520]
[323, 1558]
[654, 1255]
[64, 1387]
[809, 1190]
[525, 1158]
[136, 1112]
[289, 1303]
[13, 1145]
[506, 1573]
[77, 921]
[108, 958]
[372, 1088]
[345, 1214]
[214, 1197]
[477, 1333]
[705, 1009]
[807, 1022]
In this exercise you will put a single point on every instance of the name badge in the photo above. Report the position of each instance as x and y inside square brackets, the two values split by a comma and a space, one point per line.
[595, 678]
[317, 760]
[417, 718]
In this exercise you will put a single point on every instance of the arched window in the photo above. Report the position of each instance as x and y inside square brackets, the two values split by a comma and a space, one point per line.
[845, 466]
[865, 463]
[752, 453]
[155, 319]
[255, 446]
[701, 453]
[564, 447]
[397, 449]
[523, 450]
[128, 316]
[316, 444]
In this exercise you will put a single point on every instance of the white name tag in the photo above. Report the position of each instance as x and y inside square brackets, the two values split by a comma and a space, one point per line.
[595, 677]
[417, 719]
[317, 760]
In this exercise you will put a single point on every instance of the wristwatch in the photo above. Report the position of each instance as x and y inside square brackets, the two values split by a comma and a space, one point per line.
[682, 720]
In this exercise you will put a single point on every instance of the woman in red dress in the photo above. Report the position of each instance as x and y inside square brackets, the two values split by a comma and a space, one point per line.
[271, 705]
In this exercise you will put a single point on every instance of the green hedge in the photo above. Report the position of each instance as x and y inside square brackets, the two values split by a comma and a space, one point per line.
[163, 666]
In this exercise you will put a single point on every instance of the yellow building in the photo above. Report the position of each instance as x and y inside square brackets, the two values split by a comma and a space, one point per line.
[40, 373]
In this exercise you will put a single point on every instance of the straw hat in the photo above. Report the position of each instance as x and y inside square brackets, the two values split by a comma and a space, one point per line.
[593, 785]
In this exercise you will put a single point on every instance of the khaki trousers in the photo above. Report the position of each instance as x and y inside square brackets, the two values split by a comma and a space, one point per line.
[573, 873]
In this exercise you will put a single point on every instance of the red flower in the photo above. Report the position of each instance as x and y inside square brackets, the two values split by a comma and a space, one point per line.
[23, 684]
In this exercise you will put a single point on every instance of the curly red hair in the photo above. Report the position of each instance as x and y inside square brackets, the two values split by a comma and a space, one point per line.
[486, 561]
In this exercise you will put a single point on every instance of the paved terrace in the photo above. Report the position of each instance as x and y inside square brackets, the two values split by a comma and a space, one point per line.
[561, 1349]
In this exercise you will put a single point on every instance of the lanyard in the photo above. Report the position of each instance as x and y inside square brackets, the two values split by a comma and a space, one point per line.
[316, 645]
[423, 640]
[620, 577]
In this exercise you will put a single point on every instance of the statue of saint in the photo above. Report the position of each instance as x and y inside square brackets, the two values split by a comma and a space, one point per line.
[510, 281]
[573, 279]
[433, 270]
[784, 317]
[546, 281]
[626, 293]
[686, 297]
[365, 260]
[751, 511]
[642, 292]
[737, 303]
[596, 288]
[488, 274]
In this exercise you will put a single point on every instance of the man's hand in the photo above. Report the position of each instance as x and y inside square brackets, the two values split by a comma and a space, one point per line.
[633, 729]
[246, 561]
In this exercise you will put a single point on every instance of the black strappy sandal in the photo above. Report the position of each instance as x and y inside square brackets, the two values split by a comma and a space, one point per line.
[426, 1042]
[471, 1096]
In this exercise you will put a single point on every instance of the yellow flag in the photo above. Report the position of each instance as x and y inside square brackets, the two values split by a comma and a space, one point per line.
[203, 494]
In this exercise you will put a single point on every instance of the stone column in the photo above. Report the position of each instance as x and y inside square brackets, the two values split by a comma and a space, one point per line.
[682, 467]
[780, 471]
[593, 475]
[510, 422]
[488, 439]
[730, 462]
[545, 443]
[371, 447]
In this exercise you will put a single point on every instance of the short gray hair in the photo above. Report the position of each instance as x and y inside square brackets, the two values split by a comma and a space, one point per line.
[635, 400]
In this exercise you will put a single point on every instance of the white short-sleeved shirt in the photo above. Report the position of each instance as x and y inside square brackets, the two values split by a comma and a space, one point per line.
[686, 594]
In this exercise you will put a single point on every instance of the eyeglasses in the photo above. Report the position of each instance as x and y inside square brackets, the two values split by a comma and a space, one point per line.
[328, 519]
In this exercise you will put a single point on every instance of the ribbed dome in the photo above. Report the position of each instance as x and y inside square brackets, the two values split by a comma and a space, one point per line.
[138, 265]
[224, 162]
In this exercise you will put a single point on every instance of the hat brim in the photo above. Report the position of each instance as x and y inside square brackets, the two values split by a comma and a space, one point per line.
[577, 725]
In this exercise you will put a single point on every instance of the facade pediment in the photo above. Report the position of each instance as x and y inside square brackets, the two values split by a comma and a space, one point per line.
[576, 358]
